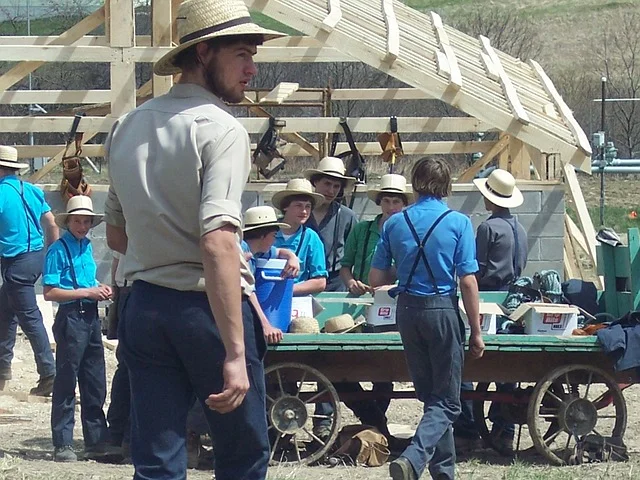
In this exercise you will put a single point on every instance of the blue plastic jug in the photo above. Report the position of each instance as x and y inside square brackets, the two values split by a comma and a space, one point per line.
[274, 292]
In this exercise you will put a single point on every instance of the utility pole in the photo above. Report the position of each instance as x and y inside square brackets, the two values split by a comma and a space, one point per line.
[602, 146]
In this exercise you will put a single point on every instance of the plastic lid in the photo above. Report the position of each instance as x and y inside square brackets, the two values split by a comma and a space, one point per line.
[271, 263]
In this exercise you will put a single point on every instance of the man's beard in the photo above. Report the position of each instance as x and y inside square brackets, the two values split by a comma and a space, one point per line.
[216, 84]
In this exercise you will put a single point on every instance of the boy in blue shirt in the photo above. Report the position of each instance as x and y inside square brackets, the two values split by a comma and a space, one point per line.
[70, 279]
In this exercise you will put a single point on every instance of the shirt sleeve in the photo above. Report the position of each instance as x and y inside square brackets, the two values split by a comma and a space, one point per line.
[465, 256]
[316, 262]
[382, 257]
[483, 237]
[54, 264]
[44, 206]
[112, 208]
[349, 257]
[226, 162]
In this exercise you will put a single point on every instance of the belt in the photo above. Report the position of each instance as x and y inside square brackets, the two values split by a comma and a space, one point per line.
[429, 301]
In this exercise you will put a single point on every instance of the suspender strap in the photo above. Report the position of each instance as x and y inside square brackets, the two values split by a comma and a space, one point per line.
[516, 250]
[304, 230]
[334, 247]
[364, 250]
[28, 213]
[421, 246]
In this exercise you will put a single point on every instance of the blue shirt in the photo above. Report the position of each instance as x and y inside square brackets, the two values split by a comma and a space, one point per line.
[451, 249]
[272, 253]
[310, 254]
[20, 230]
[57, 271]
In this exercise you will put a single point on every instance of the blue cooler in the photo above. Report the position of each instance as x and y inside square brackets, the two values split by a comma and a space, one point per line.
[274, 292]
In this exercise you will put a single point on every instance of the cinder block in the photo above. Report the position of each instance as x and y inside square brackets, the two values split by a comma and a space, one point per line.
[533, 252]
[532, 203]
[553, 200]
[551, 249]
[544, 224]
[467, 202]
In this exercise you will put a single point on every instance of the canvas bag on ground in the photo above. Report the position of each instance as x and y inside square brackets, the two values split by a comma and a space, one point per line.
[364, 444]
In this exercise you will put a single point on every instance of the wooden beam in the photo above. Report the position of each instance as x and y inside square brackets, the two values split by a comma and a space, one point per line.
[393, 32]
[280, 93]
[161, 21]
[48, 151]
[571, 262]
[446, 51]
[123, 70]
[520, 159]
[333, 16]
[21, 70]
[565, 111]
[509, 90]
[575, 233]
[46, 97]
[470, 173]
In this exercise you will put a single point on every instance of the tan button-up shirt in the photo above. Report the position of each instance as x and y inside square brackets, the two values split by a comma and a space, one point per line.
[178, 165]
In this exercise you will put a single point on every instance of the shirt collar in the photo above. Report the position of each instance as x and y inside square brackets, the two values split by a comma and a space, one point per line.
[374, 225]
[9, 178]
[68, 236]
[428, 201]
[185, 90]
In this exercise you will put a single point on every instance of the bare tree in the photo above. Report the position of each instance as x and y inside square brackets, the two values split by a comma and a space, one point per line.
[14, 14]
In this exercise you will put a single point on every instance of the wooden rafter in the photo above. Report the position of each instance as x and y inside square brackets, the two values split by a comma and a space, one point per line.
[393, 31]
[509, 90]
[446, 57]
[334, 15]
[470, 173]
[280, 93]
[162, 17]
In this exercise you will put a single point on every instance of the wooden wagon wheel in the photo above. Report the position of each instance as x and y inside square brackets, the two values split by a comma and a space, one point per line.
[515, 413]
[293, 389]
[570, 403]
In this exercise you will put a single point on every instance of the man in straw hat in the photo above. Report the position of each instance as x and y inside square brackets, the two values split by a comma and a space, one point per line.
[178, 167]
[431, 246]
[26, 225]
[392, 196]
[297, 201]
[331, 220]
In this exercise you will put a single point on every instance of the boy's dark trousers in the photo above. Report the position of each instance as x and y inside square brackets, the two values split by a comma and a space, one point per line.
[79, 359]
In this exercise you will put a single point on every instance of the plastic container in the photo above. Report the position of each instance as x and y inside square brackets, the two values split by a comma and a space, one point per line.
[274, 292]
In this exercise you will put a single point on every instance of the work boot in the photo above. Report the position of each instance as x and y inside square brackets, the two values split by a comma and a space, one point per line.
[5, 373]
[101, 451]
[64, 454]
[44, 387]
[401, 469]
[193, 449]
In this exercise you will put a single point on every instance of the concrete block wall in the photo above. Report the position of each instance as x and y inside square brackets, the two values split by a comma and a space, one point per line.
[542, 215]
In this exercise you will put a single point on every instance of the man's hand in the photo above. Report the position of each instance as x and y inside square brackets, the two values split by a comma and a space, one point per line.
[236, 385]
[98, 293]
[476, 346]
[356, 287]
[292, 268]
[272, 334]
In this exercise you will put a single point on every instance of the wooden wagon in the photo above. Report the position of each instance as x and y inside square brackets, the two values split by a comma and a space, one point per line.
[566, 390]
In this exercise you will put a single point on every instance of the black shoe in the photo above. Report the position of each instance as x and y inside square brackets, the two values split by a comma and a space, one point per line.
[44, 387]
[101, 451]
[64, 454]
[401, 469]
[5, 373]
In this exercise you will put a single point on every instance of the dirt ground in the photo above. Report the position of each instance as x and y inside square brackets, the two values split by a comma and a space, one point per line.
[26, 450]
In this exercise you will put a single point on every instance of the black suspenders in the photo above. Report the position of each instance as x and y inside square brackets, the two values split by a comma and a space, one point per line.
[304, 230]
[364, 251]
[28, 213]
[421, 253]
[516, 249]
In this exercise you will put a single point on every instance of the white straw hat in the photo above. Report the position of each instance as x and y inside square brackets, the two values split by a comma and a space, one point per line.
[341, 324]
[391, 183]
[260, 217]
[332, 167]
[200, 20]
[78, 205]
[304, 325]
[296, 186]
[500, 189]
[9, 158]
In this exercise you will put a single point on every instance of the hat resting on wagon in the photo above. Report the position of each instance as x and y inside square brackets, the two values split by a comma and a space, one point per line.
[78, 205]
[260, 217]
[391, 183]
[304, 325]
[341, 324]
[9, 158]
[200, 20]
[296, 186]
[332, 167]
[500, 189]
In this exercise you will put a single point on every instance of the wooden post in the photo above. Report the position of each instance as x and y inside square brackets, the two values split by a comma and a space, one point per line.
[520, 159]
[123, 72]
[161, 18]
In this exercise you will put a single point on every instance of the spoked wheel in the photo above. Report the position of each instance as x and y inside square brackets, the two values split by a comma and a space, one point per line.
[571, 403]
[514, 412]
[293, 390]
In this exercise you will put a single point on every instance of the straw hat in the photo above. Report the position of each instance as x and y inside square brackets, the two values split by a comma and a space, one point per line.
[304, 325]
[78, 205]
[332, 167]
[296, 186]
[391, 183]
[259, 217]
[341, 324]
[200, 20]
[9, 158]
[500, 189]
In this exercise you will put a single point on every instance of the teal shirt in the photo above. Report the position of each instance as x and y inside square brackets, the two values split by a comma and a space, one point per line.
[20, 229]
[359, 249]
[310, 252]
[57, 271]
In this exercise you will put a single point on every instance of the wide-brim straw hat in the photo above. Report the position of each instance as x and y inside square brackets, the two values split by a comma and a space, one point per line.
[9, 158]
[304, 325]
[332, 167]
[391, 183]
[500, 189]
[78, 205]
[296, 186]
[341, 324]
[261, 217]
[200, 20]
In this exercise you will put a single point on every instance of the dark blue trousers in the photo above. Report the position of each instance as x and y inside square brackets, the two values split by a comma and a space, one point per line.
[79, 359]
[464, 426]
[433, 338]
[18, 306]
[173, 350]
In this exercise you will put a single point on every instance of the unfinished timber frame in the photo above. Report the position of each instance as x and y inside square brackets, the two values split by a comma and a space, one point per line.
[499, 93]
